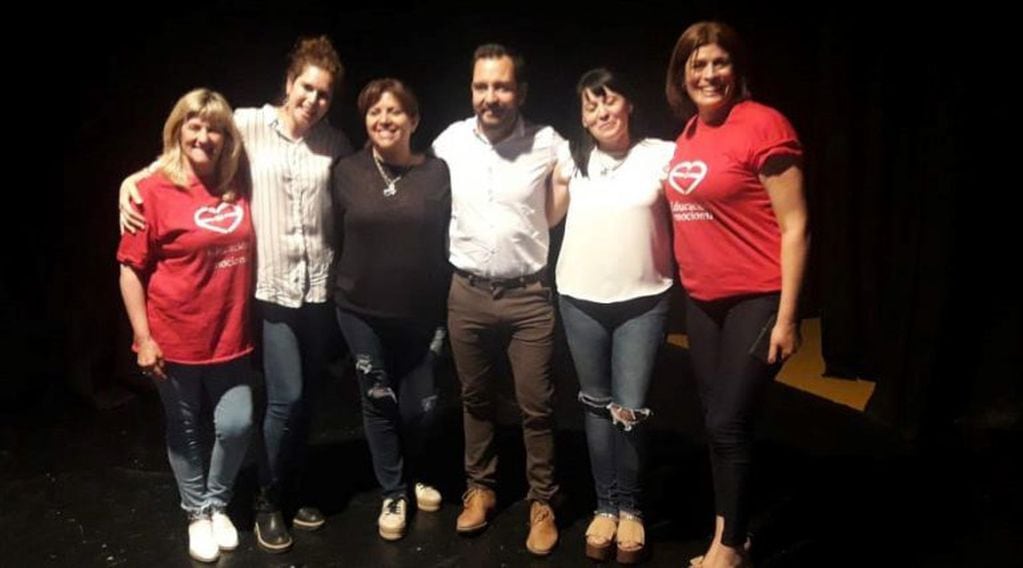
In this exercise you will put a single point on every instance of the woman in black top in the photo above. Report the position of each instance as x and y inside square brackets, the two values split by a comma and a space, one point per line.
[392, 209]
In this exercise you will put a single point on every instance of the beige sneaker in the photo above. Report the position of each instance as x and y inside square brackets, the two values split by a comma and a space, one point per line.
[427, 498]
[391, 522]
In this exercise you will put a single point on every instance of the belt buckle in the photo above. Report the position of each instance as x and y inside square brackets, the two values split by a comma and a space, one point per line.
[496, 289]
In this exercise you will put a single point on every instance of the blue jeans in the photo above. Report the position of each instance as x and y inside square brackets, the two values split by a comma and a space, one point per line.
[614, 347]
[296, 346]
[394, 364]
[228, 390]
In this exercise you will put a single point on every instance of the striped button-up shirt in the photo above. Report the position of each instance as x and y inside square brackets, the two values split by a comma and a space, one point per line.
[291, 206]
[498, 196]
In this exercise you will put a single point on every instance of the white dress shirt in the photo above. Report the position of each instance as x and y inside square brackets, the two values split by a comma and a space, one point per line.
[498, 196]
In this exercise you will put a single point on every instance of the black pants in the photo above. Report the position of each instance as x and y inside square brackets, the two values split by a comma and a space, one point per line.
[731, 382]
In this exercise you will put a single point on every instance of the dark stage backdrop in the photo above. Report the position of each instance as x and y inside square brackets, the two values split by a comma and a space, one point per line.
[909, 231]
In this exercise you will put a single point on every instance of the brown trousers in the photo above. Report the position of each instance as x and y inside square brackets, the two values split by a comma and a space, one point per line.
[485, 324]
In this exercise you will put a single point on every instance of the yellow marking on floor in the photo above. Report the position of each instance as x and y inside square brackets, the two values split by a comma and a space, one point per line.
[805, 371]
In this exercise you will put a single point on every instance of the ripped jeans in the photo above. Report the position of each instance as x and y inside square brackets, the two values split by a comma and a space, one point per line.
[394, 362]
[614, 347]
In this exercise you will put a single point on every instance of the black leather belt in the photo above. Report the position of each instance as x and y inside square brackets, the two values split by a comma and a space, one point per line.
[499, 283]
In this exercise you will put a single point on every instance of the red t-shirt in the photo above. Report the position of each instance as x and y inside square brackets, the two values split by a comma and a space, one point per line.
[727, 240]
[195, 256]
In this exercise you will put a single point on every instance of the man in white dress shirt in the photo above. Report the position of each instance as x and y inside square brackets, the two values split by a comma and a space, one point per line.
[500, 303]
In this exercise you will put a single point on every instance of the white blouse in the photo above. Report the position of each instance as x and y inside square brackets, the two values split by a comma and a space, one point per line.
[617, 243]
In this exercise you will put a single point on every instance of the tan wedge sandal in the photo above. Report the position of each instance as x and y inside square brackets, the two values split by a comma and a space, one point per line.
[631, 539]
[600, 536]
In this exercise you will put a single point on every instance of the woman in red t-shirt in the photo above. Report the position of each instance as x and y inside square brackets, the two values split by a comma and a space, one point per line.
[186, 279]
[735, 189]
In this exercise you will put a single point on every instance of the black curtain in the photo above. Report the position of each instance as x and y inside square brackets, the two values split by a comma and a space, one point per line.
[893, 111]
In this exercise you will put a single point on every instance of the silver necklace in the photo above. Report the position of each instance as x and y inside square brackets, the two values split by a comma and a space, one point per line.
[607, 163]
[390, 190]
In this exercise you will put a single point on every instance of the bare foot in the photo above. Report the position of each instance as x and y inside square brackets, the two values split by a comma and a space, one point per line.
[726, 557]
[720, 555]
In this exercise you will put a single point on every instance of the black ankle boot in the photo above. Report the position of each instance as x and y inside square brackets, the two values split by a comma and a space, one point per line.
[294, 500]
[271, 532]
[308, 519]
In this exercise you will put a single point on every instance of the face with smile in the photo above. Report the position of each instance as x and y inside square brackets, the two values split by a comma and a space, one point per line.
[308, 97]
[201, 145]
[710, 79]
[389, 126]
[496, 96]
[605, 115]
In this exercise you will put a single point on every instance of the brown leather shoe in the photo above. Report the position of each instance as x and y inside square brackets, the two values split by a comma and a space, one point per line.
[543, 533]
[478, 506]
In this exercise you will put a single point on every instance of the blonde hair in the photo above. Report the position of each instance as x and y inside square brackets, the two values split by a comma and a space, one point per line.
[213, 108]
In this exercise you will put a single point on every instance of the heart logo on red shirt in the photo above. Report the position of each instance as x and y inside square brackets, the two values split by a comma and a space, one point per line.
[222, 219]
[685, 176]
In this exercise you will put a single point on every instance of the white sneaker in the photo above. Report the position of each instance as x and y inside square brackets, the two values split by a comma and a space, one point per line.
[427, 498]
[201, 545]
[224, 533]
[392, 519]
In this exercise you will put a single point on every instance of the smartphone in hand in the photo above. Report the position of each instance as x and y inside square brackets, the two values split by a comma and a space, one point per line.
[762, 345]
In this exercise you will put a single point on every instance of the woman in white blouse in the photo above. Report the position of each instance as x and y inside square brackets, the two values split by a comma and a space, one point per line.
[614, 275]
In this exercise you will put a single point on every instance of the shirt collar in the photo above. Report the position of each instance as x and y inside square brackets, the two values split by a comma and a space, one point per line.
[518, 131]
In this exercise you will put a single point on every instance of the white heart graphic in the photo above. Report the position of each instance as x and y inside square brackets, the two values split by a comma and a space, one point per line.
[222, 219]
[685, 176]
